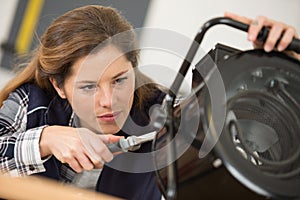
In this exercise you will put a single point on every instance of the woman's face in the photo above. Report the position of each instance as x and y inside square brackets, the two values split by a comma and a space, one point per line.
[100, 90]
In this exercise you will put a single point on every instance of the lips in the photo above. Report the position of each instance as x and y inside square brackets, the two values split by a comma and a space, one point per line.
[109, 117]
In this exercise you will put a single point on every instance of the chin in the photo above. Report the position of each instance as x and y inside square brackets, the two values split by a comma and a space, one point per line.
[110, 130]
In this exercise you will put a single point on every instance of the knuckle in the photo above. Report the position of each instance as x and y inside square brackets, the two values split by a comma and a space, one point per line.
[262, 18]
[66, 156]
[291, 29]
[280, 25]
[73, 151]
[102, 150]
[77, 142]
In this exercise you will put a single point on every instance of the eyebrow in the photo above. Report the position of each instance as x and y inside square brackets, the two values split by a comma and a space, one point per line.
[114, 77]
[120, 73]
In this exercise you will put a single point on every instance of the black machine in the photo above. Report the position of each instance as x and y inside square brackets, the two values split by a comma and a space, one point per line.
[244, 144]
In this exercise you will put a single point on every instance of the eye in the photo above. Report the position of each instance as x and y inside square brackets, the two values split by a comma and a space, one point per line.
[121, 80]
[88, 88]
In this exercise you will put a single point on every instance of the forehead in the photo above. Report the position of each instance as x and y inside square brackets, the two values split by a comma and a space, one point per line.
[105, 63]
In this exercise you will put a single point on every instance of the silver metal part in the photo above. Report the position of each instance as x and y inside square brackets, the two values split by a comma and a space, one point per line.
[131, 143]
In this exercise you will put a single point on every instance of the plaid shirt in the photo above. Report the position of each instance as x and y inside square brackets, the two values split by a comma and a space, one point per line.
[19, 146]
[22, 118]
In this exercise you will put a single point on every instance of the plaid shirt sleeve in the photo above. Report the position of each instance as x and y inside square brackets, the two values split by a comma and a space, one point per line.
[19, 148]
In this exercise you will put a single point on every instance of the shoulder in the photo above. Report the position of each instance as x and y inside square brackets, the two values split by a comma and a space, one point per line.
[37, 98]
[14, 109]
[20, 94]
[27, 92]
[17, 100]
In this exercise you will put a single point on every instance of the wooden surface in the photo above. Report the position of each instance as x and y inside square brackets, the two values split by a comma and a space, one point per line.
[34, 188]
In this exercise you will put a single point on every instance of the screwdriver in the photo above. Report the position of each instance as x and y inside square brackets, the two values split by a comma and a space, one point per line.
[131, 143]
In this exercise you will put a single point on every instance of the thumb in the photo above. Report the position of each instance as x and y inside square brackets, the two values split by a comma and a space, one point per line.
[239, 18]
[107, 139]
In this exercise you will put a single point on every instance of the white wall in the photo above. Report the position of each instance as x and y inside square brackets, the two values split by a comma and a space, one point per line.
[7, 11]
[187, 16]
[184, 18]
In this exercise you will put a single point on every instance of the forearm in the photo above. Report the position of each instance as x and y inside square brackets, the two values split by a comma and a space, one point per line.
[22, 154]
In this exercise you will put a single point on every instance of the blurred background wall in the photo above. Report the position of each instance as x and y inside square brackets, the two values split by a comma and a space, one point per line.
[186, 17]
[182, 18]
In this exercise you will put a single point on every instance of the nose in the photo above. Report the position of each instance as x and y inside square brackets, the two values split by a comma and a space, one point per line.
[104, 97]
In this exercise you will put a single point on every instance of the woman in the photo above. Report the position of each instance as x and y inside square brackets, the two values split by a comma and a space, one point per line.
[82, 66]
[76, 96]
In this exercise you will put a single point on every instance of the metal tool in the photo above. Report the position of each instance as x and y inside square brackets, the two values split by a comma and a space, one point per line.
[131, 143]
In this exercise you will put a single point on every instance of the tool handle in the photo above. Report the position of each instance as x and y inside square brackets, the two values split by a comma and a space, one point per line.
[115, 147]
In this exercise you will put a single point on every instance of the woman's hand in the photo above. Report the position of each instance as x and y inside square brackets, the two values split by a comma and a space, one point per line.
[276, 30]
[78, 147]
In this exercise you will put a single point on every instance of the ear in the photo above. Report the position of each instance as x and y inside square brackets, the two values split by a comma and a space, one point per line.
[59, 90]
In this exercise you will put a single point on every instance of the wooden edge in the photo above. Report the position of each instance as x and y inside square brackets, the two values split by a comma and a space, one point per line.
[36, 188]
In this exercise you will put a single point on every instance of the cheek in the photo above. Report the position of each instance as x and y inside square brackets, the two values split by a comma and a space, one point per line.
[83, 105]
[124, 95]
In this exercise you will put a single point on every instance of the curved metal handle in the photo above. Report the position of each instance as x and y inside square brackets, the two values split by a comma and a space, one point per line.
[262, 36]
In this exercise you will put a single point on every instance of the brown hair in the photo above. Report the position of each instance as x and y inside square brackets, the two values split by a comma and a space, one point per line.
[71, 36]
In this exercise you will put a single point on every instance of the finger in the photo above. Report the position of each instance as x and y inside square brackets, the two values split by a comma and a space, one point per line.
[92, 154]
[62, 160]
[273, 36]
[96, 160]
[118, 152]
[258, 44]
[89, 139]
[239, 18]
[99, 164]
[98, 151]
[84, 161]
[255, 27]
[73, 163]
[103, 151]
[75, 166]
[114, 138]
[75, 159]
[286, 38]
